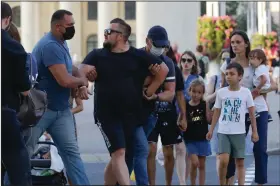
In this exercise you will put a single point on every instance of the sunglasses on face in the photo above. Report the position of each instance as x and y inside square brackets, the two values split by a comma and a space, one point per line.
[109, 31]
[184, 60]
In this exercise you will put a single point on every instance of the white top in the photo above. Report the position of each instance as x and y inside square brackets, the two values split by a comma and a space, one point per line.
[259, 71]
[233, 105]
[247, 80]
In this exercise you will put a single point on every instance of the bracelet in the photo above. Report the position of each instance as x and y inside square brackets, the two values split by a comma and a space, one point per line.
[81, 86]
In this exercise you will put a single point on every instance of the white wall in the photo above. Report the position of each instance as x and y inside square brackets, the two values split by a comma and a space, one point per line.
[178, 18]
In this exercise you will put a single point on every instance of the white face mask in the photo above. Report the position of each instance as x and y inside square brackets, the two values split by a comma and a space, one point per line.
[156, 51]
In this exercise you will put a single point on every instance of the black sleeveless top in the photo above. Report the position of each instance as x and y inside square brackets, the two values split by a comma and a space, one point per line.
[197, 122]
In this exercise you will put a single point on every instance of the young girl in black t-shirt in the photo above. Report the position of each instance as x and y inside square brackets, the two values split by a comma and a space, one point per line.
[198, 116]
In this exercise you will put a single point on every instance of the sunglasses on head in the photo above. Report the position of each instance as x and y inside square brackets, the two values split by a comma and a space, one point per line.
[184, 60]
[109, 31]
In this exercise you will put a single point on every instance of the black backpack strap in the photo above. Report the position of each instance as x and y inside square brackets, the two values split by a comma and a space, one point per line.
[228, 61]
[216, 79]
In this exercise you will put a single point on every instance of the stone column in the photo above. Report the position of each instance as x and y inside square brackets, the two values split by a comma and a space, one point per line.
[75, 44]
[30, 29]
[251, 18]
[212, 9]
[268, 16]
[180, 21]
[262, 22]
[222, 8]
[104, 16]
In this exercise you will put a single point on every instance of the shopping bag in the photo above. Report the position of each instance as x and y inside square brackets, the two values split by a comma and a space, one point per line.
[132, 176]
[160, 156]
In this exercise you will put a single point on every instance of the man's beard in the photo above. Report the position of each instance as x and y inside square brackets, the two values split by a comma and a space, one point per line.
[108, 45]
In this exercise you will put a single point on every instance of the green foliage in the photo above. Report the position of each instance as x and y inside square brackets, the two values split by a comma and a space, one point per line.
[267, 41]
[257, 41]
[214, 32]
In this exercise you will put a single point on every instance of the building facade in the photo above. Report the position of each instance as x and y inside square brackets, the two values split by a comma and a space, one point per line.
[91, 18]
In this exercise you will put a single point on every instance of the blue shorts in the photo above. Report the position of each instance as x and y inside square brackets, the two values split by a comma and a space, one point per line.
[200, 148]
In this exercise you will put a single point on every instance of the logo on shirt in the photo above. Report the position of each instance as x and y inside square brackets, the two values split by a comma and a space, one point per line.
[232, 110]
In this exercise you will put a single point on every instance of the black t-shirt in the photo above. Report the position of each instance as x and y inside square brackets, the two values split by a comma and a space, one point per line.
[15, 77]
[197, 122]
[119, 84]
[179, 79]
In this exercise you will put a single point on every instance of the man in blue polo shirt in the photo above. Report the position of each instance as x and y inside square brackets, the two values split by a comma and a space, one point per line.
[57, 76]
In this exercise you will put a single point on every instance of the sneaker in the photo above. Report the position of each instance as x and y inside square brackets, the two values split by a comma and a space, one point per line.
[269, 118]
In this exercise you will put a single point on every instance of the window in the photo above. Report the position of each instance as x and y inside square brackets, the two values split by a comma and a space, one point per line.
[92, 43]
[16, 15]
[132, 40]
[202, 8]
[130, 10]
[92, 10]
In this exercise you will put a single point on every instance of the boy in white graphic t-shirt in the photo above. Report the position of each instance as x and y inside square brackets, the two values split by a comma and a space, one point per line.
[230, 106]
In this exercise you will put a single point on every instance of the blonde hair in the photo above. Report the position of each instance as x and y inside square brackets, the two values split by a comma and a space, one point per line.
[197, 82]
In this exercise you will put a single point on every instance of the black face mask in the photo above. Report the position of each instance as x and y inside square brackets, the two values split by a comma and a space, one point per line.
[69, 34]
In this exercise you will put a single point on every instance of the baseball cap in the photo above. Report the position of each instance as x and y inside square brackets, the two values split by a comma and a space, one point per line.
[159, 36]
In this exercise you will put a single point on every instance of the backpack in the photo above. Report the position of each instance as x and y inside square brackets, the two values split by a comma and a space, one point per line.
[202, 67]
[34, 105]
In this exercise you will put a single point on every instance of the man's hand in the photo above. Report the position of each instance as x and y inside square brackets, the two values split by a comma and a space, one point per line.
[92, 75]
[85, 81]
[154, 69]
[182, 123]
[149, 98]
[83, 93]
[255, 137]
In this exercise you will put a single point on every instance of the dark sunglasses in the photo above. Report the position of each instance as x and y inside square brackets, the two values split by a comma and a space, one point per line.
[109, 31]
[184, 60]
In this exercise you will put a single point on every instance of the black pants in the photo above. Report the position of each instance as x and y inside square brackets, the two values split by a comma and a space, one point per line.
[15, 158]
[231, 164]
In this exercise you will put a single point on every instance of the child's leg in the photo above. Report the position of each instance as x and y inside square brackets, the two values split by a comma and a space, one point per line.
[194, 163]
[238, 152]
[217, 163]
[224, 158]
[202, 160]
[224, 151]
[240, 170]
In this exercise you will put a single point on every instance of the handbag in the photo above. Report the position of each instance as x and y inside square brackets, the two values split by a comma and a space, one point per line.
[34, 105]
